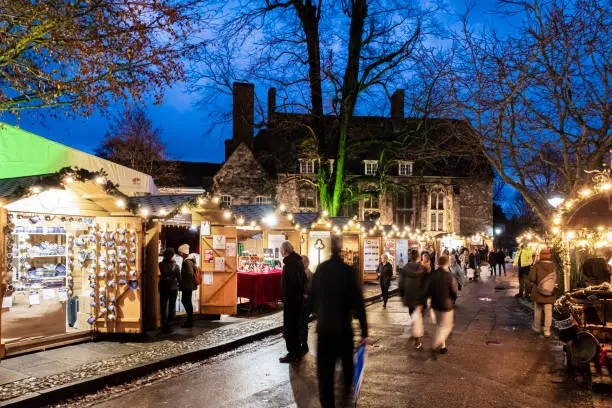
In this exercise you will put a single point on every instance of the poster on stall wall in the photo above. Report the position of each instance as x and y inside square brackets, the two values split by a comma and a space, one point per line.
[230, 249]
[62, 294]
[371, 256]
[401, 255]
[34, 298]
[218, 241]
[389, 249]
[319, 248]
[7, 302]
[274, 243]
[208, 256]
[205, 228]
[208, 278]
[48, 294]
[219, 264]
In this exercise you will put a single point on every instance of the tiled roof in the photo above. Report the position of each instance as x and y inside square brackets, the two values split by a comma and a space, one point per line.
[10, 187]
[305, 218]
[158, 202]
[252, 212]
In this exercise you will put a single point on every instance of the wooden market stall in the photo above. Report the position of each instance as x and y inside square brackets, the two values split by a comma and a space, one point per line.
[71, 259]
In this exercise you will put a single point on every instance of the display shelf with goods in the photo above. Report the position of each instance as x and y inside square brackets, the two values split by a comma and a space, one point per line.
[52, 256]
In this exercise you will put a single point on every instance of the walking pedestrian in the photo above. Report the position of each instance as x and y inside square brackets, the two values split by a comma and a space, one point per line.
[455, 269]
[306, 307]
[413, 291]
[501, 261]
[335, 297]
[493, 262]
[188, 283]
[543, 277]
[169, 275]
[523, 260]
[293, 282]
[384, 273]
[442, 288]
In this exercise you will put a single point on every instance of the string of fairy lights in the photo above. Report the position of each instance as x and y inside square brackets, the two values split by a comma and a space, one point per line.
[338, 226]
[599, 237]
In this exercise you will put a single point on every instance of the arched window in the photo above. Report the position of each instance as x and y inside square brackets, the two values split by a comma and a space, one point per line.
[404, 208]
[437, 201]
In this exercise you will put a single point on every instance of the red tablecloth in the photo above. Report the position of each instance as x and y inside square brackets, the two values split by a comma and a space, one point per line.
[260, 288]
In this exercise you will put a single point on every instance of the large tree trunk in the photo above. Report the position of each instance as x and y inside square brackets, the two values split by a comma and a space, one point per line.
[350, 91]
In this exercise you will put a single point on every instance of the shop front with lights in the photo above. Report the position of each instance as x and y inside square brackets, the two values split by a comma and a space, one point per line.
[71, 258]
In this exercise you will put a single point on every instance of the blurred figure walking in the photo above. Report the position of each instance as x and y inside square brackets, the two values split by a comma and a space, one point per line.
[306, 307]
[543, 278]
[413, 290]
[442, 289]
[335, 297]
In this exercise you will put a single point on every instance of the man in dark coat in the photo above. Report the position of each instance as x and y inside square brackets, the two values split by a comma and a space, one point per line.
[412, 287]
[385, 274]
[336, 297]
[293, 281]
[188, 283]
[169, 276]
[500, 256]
[442, 289]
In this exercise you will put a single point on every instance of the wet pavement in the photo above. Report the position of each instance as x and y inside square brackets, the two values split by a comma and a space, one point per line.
[43, 370]
[494, 361]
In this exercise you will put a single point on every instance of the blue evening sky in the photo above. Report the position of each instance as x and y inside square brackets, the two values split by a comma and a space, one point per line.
[183, 121]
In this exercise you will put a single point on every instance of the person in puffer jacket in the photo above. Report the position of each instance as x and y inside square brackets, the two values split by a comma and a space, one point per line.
[413, 288]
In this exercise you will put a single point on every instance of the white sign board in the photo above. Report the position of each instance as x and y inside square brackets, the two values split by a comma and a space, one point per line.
[371, 254]
[218, 241]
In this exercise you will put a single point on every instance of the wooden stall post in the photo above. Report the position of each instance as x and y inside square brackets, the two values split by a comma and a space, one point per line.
[3, 264]
[150, 278]
[219, 293]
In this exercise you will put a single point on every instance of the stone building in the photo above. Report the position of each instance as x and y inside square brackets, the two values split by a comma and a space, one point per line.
[277, 165]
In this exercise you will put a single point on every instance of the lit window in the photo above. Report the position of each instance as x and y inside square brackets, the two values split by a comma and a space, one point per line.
[371, 167]
[227, 200]
[405, 168]
[307, 166]
[436, 210]
[263, 200]
[307, 197]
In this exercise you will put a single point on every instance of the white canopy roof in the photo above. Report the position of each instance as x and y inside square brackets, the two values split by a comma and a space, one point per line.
[25, 154]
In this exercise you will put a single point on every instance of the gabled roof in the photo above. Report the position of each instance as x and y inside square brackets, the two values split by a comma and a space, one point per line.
[27, 154]
[287, 139]
[252, 212]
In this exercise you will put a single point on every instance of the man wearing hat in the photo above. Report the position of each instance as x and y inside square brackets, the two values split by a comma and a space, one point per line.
[543, 278]
[188, 282]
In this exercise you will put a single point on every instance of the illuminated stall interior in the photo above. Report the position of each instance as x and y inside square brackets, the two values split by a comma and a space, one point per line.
[71, 260]
[583, 227]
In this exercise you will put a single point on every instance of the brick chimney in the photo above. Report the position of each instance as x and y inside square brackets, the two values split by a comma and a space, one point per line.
[271, 105]
[397, 104]
[243, 116]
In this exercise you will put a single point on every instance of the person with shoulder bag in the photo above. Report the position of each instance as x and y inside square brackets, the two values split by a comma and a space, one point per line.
[543, 278]
[188, 283]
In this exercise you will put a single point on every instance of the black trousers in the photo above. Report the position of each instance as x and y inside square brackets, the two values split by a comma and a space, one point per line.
[493, 267]
[186, 301]
[167, 303]
[502, 265]
[385, 293]
[292, 324]
[305, 316]
[330, 348]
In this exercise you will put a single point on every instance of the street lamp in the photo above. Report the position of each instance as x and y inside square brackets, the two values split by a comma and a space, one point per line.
[498, 231]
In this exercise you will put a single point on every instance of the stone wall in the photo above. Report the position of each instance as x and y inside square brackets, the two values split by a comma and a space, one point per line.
[476, 198]
[242, 178]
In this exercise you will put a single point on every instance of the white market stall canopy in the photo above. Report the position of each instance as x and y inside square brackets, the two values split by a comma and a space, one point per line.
[25, 154]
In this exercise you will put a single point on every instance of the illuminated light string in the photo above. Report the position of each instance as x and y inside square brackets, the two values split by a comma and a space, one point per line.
[602, 182]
